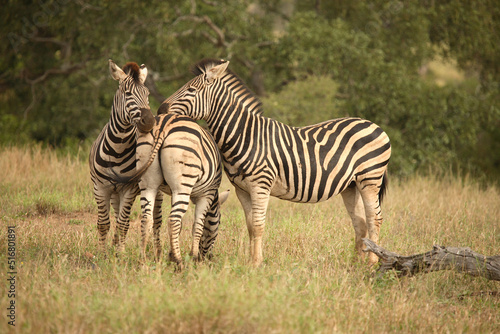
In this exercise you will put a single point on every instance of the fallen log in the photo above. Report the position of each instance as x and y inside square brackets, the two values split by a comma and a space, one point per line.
[460, 259]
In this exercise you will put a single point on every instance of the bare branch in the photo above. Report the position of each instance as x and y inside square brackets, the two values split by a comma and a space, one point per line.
[210, 3]
[96, 82]
[170, 78]
[210, 38]
[153, 78]
[460, 259]
[193, 18]
[264, 44]
[182, 34]
[64, 69]
[85, 6]
[219, 41]
[49, 40]
[126, 45]
[220, 34]
[193, 7]
[247, 63]
[150, 83]
[31, 105]
[53, 71]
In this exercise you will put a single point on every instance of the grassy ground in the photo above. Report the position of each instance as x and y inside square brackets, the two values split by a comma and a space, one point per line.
[310, 282]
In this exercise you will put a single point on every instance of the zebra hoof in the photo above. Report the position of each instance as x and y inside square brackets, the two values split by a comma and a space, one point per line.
[179, 267]
[196, 258]
[177, 262]
[115, 239]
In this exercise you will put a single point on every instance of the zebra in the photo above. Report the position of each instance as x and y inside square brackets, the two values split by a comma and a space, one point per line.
[263, 157]
[116, 147]
[181, 159]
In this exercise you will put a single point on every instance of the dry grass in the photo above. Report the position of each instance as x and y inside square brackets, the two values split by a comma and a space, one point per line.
[40, 182]
[310, 281]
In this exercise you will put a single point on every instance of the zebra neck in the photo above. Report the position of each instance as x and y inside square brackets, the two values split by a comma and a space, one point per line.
[119, 129]
[233, 123]
[117, 148]
[234, 110]
[120, 139]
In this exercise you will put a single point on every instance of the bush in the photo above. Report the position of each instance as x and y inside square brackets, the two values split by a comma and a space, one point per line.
[429, 125]
[305, 102]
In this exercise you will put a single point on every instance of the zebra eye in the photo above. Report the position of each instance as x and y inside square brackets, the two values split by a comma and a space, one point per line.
[191, 89]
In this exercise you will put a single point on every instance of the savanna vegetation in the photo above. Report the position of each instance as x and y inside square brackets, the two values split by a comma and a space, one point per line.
[310, 281]
[426, 71]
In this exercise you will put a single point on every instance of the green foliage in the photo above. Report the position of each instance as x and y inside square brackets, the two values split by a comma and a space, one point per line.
[310, 60]
[470, 32]
[429, 125]
[304, 102]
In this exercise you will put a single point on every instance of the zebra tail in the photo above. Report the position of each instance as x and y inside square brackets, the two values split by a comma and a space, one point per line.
[140, 172]
[383, 187]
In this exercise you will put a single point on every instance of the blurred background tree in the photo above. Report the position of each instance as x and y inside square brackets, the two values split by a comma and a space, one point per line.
[426, 71]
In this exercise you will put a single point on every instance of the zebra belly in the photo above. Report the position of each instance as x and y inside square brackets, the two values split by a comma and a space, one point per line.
[308, 190]
[310, 193]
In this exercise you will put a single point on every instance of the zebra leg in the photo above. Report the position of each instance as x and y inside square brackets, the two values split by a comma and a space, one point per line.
[123, 221]
[103, 222]
[373, 211]
[211, 226]
[255, 207]
[246, 203]
[115, 203]
[157, 224]
[202, 206]
[147, 206]
[151, 202]
[180, 203]
[355, 207]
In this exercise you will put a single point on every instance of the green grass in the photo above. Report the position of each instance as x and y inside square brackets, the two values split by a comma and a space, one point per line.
[310, 281]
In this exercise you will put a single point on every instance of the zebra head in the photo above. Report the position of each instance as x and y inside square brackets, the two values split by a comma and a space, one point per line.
[194, 98]
[131, 103]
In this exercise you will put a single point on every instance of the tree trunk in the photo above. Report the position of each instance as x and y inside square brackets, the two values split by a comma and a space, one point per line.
[461, 259]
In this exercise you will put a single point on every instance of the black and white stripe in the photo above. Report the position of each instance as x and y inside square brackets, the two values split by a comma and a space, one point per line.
[181, 159]
[263, 157]
[115, 147]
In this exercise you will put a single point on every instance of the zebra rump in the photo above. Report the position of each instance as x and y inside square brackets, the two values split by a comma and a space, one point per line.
[181, 159]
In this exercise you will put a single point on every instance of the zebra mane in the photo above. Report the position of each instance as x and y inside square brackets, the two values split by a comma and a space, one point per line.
[206, 64]
[133, 70]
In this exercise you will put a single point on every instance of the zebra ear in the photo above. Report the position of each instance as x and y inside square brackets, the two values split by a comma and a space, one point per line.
[143, 73]
[116, 72]
[217, 71]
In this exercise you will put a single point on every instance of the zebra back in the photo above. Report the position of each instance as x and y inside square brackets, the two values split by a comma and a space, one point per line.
[180, 132]
[301, 164]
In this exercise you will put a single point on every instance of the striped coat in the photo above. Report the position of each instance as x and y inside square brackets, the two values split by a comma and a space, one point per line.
[181, 159]
[115, 147]
[263, 157]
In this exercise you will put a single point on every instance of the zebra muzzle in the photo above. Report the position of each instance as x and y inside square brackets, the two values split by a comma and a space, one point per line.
[147, 120]
[163, 109]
